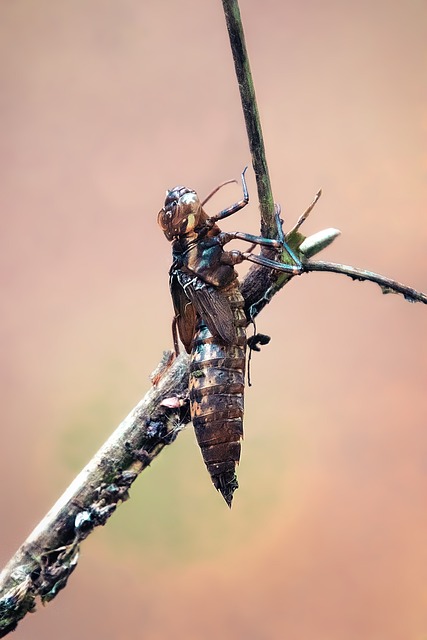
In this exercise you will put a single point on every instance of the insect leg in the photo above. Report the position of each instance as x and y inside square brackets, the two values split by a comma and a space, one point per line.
[234, 207]
[226, 236]
[280, 243]
[175, 337]
[281, 236]
[236, 257]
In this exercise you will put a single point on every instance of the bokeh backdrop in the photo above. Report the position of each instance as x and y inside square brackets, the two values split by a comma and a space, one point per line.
[104, 105]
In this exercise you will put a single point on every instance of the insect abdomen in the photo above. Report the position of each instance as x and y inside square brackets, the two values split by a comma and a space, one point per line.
[217, 377]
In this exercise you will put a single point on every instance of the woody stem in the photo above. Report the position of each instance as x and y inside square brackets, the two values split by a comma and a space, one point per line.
[251, 114]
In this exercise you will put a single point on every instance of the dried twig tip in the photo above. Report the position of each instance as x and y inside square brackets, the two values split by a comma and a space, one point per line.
[305, 215]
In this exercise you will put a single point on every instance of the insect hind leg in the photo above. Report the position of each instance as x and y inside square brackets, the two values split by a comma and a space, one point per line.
[175, 337]
[236, 257]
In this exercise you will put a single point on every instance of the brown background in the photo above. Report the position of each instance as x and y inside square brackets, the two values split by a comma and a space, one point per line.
[103, 106]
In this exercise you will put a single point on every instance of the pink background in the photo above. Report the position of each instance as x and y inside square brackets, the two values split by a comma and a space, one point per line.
[103, 106]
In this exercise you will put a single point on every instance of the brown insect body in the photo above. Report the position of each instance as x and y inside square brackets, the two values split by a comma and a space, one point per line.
[217, 383]
[210, 317]
[211, 322]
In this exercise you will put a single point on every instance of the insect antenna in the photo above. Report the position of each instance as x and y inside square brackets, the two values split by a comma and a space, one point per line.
[212, 193]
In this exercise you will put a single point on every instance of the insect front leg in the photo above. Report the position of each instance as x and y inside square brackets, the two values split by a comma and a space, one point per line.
[234, 207]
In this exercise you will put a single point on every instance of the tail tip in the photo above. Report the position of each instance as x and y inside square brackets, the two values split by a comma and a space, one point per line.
[227, 484]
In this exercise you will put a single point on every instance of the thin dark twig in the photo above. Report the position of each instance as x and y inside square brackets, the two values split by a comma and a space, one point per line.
[387, 284]
[303, 217]
[251, 114]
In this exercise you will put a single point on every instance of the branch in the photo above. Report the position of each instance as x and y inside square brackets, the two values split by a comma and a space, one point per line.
[251, 114]
[43, 564]
[387, 285]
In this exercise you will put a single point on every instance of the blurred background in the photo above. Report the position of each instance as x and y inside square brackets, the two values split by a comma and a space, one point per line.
[103, 106]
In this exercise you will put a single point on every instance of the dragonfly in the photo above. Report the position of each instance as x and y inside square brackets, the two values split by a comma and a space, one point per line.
[210, 318]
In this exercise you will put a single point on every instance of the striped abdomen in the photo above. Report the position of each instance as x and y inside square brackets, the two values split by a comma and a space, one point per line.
[217, 379]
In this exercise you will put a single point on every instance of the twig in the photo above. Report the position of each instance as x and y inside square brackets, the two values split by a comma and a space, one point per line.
[259, 280]
[303, 217]
[387, 285]
[251, 114]
[43, 564]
